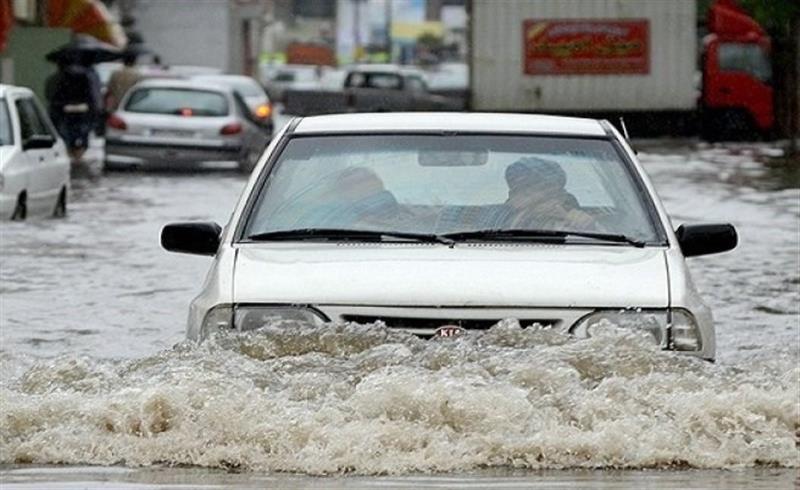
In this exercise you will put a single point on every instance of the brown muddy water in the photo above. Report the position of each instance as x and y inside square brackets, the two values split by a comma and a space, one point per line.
[97, 389]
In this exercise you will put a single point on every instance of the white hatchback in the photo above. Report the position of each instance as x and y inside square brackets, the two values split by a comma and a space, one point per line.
[34, 166]
[439, 224]
[184, 122]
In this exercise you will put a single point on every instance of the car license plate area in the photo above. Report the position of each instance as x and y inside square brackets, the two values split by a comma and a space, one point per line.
[172, 133]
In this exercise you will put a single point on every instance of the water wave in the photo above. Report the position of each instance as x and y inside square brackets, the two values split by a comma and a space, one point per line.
[363, 399]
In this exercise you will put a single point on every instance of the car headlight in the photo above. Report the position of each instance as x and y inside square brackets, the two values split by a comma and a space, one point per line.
[671, 329]
[251, 317]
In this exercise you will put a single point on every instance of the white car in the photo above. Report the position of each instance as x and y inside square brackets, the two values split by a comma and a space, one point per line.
[440, 223]
[183, 122]
[34, 166]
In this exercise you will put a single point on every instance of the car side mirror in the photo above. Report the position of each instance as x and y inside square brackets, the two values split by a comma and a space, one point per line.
[38, 142]
[706, 239]
[191, 238]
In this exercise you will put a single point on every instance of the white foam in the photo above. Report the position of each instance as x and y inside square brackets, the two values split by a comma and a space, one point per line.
[362, 399]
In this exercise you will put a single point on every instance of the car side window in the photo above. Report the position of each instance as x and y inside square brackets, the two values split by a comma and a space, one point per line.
[415, 84]
[6, 131]
[241, 106]
[30, 123]
[44, 121]
[387, 81]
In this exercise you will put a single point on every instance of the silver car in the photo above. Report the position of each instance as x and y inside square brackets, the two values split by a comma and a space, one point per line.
[443, 223]
[183, 122]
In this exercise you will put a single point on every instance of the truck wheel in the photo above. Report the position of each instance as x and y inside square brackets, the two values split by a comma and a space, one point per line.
[21, 209]
[722, 125]
[60, 210]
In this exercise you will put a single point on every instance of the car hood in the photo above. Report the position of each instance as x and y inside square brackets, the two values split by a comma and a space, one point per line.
[523, 275]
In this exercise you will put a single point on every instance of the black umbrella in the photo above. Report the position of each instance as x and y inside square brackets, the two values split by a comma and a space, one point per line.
[84, 50]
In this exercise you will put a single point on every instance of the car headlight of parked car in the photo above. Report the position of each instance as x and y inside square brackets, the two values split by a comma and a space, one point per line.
[671, 329]
[244, 318]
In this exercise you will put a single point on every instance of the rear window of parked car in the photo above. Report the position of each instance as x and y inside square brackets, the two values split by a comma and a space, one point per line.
[6, 135]
[177, 101]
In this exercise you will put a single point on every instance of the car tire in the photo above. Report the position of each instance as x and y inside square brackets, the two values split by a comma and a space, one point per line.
[60, 210]
[21, 209]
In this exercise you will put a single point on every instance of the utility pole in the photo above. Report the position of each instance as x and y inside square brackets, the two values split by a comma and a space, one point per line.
[357, 29]
[388, 13]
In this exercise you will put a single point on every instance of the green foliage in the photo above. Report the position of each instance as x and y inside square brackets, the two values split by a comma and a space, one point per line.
[430, 41]
[773, 15]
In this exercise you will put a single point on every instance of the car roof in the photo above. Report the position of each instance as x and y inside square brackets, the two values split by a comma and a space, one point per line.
[224, 77]
[474, 122]
[9, 89]
[183, 83]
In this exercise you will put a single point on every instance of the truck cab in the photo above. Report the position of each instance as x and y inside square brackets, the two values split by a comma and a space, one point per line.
[737, 96]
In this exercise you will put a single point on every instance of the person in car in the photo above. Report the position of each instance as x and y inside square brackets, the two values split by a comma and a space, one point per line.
[363, 200]
[538, 199]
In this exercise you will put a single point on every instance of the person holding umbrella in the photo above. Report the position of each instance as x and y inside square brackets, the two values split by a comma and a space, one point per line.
[73, 92]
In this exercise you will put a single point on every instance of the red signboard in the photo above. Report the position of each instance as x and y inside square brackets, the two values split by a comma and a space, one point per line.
[586, 47]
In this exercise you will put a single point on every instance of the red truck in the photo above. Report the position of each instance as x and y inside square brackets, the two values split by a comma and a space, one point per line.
[736, 95]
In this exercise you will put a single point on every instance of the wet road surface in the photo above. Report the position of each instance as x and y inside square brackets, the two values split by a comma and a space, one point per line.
[91, 307]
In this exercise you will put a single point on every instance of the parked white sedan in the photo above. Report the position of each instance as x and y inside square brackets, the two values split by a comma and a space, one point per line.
[34, 166]
[438, 223]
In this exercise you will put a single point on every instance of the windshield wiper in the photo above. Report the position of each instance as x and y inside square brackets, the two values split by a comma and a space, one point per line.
[540, 235]
[344, 235]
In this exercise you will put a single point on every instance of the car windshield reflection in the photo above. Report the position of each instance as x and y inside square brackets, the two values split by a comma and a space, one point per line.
[437, 185]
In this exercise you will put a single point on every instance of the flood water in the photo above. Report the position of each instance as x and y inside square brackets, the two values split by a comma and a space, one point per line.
[96, 385]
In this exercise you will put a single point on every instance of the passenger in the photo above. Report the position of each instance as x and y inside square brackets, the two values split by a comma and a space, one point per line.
[538, 199]
[362, 199]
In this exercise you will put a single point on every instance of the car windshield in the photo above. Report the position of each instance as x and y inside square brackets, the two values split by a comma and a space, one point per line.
[450, 184]
[6, 135]
[177, 101]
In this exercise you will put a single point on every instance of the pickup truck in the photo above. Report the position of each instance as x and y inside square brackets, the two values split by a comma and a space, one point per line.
[371, 88]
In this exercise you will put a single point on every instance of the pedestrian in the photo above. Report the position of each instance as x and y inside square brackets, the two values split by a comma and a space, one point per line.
[122, 80]
[74, 103]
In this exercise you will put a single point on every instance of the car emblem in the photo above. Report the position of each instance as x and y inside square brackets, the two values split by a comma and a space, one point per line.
[449, 331]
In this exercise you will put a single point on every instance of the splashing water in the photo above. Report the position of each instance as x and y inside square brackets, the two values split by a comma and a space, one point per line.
[363, 399]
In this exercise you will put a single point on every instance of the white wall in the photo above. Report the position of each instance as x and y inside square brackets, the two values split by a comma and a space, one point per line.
[498, 81]
[186, 32]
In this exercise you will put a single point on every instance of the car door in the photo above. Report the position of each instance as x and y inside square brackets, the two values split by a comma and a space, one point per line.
[56, 163]
[418, 99]
[41, 188]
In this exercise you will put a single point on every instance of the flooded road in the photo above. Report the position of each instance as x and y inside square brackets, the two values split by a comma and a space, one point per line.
[91, 307]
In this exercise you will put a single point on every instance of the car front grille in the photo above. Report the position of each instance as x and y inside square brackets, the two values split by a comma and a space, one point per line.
[425, 327]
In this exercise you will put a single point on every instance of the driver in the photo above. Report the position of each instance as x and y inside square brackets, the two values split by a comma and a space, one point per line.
[537, 198]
